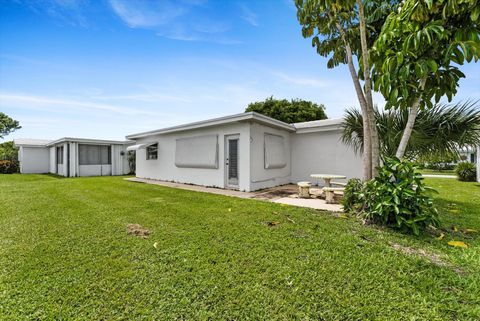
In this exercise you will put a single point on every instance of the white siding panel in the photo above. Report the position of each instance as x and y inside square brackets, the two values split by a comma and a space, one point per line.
[323, 153]
[34, 160]
[95, 170]
[53, 161]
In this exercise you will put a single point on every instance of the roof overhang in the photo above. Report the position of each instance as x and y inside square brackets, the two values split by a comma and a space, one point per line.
[250, 116]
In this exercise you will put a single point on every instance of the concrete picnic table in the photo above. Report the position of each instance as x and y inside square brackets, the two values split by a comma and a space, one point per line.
[328, 178]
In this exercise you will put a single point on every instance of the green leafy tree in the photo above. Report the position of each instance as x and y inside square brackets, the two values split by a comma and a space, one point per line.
[7, 125]
[342, 31]
[8, 151]
[417, 55]
[293, 111]
[438, 131]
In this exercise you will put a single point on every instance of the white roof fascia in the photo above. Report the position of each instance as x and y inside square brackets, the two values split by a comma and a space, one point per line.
[216, 122]
[88, 141]
[319, 126]
[28, 142]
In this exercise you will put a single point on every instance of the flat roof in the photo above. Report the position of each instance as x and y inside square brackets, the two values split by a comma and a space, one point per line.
[87, 141]
[31, 142]
[249, 116]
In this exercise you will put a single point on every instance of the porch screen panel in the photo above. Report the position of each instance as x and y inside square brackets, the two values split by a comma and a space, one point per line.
[275, 151]
[60, 155]
[94, 155]
[197, 152]
[105, 155]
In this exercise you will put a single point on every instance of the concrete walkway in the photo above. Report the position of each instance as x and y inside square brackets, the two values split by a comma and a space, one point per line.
[438, 176]
[265, 195]
[314, 203]
[195, 188]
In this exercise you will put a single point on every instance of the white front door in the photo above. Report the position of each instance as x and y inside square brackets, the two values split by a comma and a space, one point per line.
[232, 150]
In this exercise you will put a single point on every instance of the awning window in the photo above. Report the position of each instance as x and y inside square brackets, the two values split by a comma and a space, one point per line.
[139, 146]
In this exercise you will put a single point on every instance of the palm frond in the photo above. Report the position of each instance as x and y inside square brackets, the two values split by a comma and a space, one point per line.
[442, 129]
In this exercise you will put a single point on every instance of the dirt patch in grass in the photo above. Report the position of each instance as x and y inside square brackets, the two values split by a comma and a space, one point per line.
[432, 257]
[276, 192]
[137, 230]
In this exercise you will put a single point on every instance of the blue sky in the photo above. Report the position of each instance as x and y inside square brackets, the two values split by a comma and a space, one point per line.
[105, 69]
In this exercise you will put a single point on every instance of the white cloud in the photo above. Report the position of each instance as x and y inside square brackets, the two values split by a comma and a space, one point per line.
[147, 14]
[39, 102]
[249, 16]
[185, 20]
[66, 12]
[300, 81]
[152, 98]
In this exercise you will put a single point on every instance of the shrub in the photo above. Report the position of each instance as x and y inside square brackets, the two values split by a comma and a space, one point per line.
[131, 157]
[466, 172]
[8, 151]
[397, 197]
[9, 167]
[351, 196]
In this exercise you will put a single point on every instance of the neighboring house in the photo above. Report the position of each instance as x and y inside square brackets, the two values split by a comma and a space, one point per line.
[73, 157]
[245, 151]
[468, 154]
[478, 163]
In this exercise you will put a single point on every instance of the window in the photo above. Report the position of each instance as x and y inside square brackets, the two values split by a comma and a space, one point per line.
[60, 155]
[197, 152]
[94, 155]
[152, 151]
[274, 151]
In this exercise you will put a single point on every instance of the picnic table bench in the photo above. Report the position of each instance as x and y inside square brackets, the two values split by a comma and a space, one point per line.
[304, 189]
[330, 193]
[327, 178]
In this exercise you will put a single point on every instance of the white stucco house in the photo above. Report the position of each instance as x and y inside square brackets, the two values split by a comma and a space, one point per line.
[247, 151]
[73, 157]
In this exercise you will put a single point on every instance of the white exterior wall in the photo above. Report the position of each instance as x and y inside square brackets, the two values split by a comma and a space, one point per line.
[94, 170]
[73, 159]
[164, 167]
[260, 177]
[322, 153]
[34, 160]
[119, 161]
[53, 161]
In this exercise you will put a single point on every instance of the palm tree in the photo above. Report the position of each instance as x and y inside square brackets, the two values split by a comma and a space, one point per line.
[440, 130]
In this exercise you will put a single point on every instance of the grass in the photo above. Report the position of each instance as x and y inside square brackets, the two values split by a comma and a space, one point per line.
[65, 254]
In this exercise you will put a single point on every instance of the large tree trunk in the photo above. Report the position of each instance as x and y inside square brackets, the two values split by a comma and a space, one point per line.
[367, 141]
[375, 144]
[412, 116]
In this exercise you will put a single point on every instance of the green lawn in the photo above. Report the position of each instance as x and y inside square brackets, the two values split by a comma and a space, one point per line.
[65, 254]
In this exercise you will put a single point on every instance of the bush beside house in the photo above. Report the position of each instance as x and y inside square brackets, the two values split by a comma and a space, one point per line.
[397, 197]
[466, 172]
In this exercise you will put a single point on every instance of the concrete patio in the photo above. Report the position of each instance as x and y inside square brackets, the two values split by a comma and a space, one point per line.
[285, 194]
